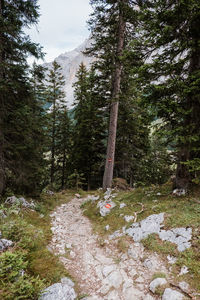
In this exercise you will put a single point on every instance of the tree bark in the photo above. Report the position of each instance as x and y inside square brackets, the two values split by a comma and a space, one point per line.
[109, 165]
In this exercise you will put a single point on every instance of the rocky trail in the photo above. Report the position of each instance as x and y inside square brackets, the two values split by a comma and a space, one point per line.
[102, 273]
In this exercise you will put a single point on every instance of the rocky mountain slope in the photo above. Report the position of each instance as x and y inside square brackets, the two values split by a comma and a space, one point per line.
[70, 62]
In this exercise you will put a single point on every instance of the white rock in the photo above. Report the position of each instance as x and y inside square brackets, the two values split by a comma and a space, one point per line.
[156, 283]
[184, 270]
[135, 252]
[72, 254]
[122, 205]
[128, 218]
[179, 192]
[147, 297]
[171, 259]
[66, 280]
[113, 295]
[115, 279]
[77, 195]
[5, 244]
[184, 286]
[170, 294]
[108, 269]
[107, 227]
[132, 294]
[58, 291]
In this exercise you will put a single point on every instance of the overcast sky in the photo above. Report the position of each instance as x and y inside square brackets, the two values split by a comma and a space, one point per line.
[62, 26]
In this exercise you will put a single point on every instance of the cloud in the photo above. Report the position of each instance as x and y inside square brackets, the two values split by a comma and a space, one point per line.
[62, 26]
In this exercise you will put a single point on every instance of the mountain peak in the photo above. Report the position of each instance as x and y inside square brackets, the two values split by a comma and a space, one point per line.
[70, 62]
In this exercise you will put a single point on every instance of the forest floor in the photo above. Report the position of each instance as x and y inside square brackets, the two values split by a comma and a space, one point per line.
[81, 247]
[119, 268]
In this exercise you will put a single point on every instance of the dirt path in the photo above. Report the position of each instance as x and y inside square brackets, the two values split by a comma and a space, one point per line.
[101, 272]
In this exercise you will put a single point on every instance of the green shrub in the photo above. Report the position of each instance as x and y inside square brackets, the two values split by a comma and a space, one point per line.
[15, 282]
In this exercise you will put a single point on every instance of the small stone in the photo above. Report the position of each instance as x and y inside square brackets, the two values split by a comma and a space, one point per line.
[179, 192]
[107, 227]
[156, 283]
[184, 286]
[128, 218]
[170, 294]
[77, 195]
[171, 259]
[184, 270]
[72, 254]
[68, 245]
[122, 205]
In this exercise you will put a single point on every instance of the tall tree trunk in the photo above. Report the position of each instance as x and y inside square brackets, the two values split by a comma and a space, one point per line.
[109, 165]
[2, 111]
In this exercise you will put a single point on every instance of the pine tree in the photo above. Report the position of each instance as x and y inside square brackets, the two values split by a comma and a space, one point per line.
[113, 27]
[15, 93]
[63, 147]
[56, 97]
[89, 128]
[170, 43]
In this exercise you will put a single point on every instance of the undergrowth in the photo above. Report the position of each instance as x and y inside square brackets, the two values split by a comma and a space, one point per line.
[179, 212]
[29, 266]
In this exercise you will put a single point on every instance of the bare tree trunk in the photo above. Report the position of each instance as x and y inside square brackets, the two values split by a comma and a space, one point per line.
[109, 166]
[2, 75]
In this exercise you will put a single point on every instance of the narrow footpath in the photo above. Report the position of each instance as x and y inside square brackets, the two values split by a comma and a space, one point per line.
[102, 273]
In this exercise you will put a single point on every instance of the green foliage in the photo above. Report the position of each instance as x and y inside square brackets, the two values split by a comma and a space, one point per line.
[29, 267]
[89, 128]
[15, 282]
[20, 128]
[169, 42]
[59, 129]
[76, 180]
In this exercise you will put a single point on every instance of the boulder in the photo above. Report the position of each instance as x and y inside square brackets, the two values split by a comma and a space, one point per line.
[156, 283]
[105, 207]
[20, 201]
[179, 192]
[60, 291]
[170, 294]
[5, 244]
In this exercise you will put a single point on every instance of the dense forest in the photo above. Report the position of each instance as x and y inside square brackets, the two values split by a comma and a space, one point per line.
[140, 100]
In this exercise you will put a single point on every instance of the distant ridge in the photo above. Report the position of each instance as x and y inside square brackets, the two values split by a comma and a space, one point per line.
[70, 62]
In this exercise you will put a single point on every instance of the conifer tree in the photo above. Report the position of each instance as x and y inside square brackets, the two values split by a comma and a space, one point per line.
[112, 27]
[170, 43]
[56, 97]
[15, 93]
[63, 146]
[89, 128]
